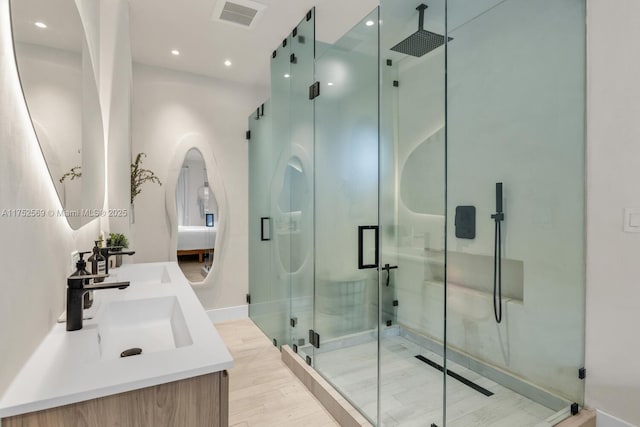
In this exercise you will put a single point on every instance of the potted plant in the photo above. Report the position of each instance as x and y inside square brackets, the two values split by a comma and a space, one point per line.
[117, 241]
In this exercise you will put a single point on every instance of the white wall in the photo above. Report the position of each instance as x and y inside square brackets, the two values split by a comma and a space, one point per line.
[115, 94]
[613, 170]
[33, 281]
[169, 106]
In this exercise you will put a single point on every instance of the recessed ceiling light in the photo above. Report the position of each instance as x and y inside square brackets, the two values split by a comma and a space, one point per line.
[329, 84]
[286, 76]
[175, 52]
[369, 23]
[227, 63]
[40, 24]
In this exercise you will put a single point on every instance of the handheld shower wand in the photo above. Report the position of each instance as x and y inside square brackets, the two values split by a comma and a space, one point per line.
[498, 217]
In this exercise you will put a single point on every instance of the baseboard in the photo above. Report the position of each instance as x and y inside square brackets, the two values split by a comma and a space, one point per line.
[605, 420]
[228, 313]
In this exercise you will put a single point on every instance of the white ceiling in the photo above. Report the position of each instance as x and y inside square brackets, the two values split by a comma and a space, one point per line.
[158, 26]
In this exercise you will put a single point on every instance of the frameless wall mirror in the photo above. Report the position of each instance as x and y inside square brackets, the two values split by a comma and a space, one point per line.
[56, 71]
[197, 212]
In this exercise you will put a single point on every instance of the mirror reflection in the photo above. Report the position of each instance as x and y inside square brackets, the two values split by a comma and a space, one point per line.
[197, 212]
[58, 81]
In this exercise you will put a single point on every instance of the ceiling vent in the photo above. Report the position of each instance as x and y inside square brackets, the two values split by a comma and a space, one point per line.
[243, 13]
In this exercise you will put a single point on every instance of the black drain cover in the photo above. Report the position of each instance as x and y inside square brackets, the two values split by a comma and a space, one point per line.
[131, 352]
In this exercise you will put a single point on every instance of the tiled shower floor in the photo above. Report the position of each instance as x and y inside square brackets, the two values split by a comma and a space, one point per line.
[411, 390]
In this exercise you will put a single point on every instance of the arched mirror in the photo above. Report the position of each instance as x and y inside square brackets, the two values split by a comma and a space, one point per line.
[197, 215]
[292, 203]
[56, 70]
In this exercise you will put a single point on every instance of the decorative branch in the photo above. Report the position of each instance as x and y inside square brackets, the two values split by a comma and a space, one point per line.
[72, 174]
[139, 176]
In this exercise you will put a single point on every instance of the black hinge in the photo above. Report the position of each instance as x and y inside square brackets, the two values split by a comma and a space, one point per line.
[293, 322]
[314, 338]
[259, 112]
[575, 408]
[295, 348]
[309, 360]
[309, 15]
[293, 58]
[396, 83]
[275, 342]
[284, 43]
[248, 299]
[582, 373]
[248, 135]
[294, 32]
[314, 90]
[274, 54]
[395, 303]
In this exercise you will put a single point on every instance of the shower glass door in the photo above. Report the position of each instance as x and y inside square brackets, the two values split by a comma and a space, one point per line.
[346, 214]
[515, 154]
[269, 198]
[264, 293]
[412, 213]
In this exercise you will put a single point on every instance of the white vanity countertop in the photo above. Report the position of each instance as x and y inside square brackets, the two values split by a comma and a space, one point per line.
[67, 366]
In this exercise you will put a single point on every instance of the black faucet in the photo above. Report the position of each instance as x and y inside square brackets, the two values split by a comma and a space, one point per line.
[77, 286]
[113, 250]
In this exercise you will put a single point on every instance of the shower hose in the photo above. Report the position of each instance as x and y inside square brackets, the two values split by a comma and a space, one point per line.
[497, 268]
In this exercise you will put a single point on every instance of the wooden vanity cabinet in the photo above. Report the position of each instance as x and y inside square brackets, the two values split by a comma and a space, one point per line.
[193, 402]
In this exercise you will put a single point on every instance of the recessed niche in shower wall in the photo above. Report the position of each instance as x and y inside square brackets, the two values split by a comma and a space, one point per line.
[421, 188]
[474, 271]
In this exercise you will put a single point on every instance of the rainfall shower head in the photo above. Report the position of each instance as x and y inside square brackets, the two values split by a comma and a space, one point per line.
[422, 41]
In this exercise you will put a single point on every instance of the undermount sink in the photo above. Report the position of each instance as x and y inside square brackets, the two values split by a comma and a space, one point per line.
[153, 325]
[142, 273]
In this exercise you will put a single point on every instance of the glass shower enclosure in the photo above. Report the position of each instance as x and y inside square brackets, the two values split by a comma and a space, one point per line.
[417, 210]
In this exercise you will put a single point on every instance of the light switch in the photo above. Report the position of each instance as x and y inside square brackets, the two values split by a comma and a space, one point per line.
[632, 220]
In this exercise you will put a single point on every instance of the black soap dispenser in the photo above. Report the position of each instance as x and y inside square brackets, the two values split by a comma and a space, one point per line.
[98, 263]
[81, 270]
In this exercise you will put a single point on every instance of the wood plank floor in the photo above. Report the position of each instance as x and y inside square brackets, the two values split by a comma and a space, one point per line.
[192, 269]
[262, 390]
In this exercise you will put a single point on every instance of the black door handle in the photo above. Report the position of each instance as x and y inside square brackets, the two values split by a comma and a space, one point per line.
[361, 230]
[267, 220]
